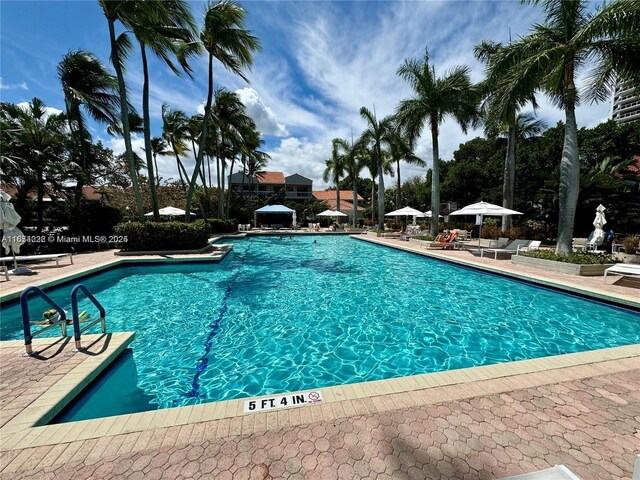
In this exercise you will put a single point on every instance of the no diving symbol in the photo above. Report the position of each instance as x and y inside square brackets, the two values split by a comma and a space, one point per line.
[314, 396]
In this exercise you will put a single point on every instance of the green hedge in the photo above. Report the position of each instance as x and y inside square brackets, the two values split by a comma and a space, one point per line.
[151, 236]
[218, 225]
[580, 258]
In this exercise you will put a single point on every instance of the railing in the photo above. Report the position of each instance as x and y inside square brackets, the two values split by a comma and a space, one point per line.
[76, 317]
[26, 321]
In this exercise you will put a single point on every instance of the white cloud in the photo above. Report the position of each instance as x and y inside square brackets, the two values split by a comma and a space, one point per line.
[13, 86]
[48, 110]
[299, 155]
[265, 119]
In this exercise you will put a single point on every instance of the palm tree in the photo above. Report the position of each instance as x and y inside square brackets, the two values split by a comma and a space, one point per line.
[434, 98]
[39, 137]
[158, 147]
[224, 38]
[401, 148]
[123, 11]
[175, 131]
[256, 164]
[88, 89]
[167, 28]
[353, 165]
[194, 126]
[549, 59]
[335, 168]
[502, 116]
[376, 135]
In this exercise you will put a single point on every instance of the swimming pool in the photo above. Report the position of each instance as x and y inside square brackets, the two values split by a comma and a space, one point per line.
[280, 315]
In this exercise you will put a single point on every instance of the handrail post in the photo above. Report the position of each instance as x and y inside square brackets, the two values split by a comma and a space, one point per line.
[26, 322]
[76, 317]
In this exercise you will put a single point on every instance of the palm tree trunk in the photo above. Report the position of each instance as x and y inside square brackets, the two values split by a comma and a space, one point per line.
[146, 119]
[337, 193]
[124, 118]
[40, 204]
[355, 202]
[508, 185]
[435, 178]
[203, 139]
[380, 192]
[229, 188]
[155, 163]
[181, 168]
[373, 203]
[569, 176]
[398, 189]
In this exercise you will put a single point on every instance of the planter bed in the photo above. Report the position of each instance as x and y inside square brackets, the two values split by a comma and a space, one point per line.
[562, 267]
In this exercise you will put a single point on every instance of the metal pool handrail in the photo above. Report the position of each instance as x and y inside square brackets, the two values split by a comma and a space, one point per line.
[26, 322]
[76, 318]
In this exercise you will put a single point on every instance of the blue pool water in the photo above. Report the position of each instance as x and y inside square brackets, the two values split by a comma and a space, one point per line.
[280, 315]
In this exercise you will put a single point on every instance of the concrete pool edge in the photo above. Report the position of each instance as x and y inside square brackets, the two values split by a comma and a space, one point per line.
[566, 288]
[339, 401]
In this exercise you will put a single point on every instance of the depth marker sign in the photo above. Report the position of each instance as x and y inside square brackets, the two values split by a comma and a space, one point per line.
[282, 401]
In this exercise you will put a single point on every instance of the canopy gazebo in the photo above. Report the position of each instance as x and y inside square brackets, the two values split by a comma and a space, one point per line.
[272, 210]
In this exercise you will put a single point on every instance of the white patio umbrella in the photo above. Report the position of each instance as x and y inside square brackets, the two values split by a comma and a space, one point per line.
[169, 212]
[406, 212]
[429, 214]
[597, 237]
[12, 236]
[483, 209]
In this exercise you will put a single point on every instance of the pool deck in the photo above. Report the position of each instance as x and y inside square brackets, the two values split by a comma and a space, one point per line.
[581, 410]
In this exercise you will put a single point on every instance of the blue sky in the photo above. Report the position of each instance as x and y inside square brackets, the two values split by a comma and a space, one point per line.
[319, 63]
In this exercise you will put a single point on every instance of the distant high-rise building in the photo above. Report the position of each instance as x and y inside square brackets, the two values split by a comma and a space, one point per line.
[626, 103]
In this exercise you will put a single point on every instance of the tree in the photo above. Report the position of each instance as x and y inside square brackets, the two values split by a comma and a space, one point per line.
[353, 165]
[38, 135]
[401, 148]
[123, 11]
[549, 59]
[225, 39]
[335, 168]
[158, 147]
[175, 130]
[167, 28]
[88, 87]
[434, 98]
[375, 137]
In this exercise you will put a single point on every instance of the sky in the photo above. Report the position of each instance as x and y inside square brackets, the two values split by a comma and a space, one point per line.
[319, 63]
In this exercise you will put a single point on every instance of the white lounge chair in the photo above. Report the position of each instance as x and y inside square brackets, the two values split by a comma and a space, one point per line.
[534, 245]
[35, 258]
[624, 269]
[500, 243]
[512, 248]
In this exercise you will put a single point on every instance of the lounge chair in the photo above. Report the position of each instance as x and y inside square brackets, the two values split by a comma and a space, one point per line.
[5, 270]
[580, 244]
[624, 269]
[500, 243]
[535, 245]
[35, 258]
[510, 249]
[445, 241]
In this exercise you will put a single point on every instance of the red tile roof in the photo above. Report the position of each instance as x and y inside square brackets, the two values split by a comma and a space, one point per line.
[331, 195]
[344, 205]
[271, 177]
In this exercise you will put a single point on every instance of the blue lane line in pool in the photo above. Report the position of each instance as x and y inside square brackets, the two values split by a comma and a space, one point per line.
[203, 361]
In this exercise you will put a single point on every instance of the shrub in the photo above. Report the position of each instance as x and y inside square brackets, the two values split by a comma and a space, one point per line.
[580, 258]
[631, 244]
[427, 238]
[217, 225]
[152, 236]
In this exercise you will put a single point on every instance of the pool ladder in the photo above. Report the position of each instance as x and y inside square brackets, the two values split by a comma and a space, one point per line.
[61, 321]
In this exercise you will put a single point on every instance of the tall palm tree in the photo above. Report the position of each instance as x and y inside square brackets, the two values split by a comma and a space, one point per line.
[124, 12]
[550, 57]
[89, 89]
[249, 146]
[502, 116]
[434, 98]
[175, 131]
[225, 39]
[194, 126]
[377, 136]
[401, 149]
[158, 147]
[256, 164]
[335, 168]
[167, 28]
[40, 137]
[353, 165]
